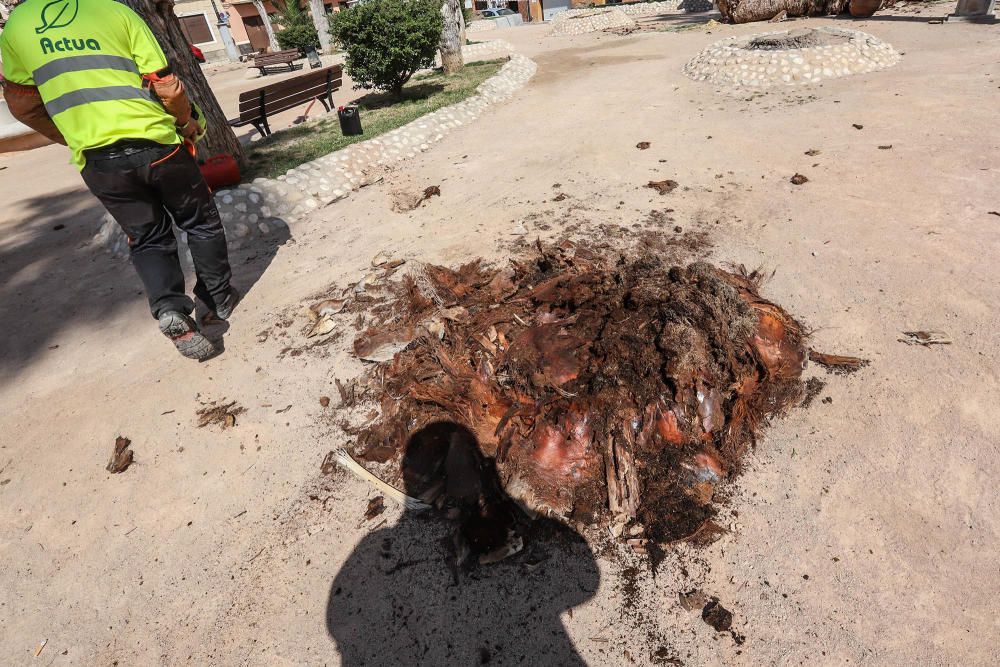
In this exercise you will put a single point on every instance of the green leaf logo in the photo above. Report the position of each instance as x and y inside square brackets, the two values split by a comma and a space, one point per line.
[58, 14]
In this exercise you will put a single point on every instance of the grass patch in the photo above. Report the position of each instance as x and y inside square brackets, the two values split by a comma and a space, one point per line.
[380, 113]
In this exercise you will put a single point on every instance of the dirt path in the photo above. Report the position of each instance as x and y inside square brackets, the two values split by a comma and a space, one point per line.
[862, 533]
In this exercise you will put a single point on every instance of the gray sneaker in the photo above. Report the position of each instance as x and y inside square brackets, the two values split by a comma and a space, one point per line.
[225, 310]
[184, 333]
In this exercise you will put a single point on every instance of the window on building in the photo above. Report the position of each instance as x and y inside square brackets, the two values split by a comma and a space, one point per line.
[196, 29]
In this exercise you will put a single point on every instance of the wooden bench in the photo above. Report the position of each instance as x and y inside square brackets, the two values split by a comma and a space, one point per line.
[257, 104]
[276, 59]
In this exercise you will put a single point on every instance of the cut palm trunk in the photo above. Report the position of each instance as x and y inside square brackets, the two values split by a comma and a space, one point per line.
[748, 11]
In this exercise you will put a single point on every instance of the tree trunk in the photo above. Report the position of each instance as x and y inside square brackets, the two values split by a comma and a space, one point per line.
[162, 20]
[272, 40]
[746, 11]
[461, 24]
[451, 43]
[318, 12]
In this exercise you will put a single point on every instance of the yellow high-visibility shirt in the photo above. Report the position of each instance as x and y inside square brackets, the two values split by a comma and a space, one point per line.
[87, 58]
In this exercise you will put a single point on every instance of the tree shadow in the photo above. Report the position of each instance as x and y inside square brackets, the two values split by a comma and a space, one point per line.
[411, 93]
[688, 19]
[403, 598]
[53, 278]
[883, 17]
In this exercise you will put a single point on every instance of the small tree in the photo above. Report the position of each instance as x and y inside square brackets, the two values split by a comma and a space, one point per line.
[297, 29]
[388, 40]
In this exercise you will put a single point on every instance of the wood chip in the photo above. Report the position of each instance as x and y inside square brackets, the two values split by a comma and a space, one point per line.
[663, 187]
[121, 458]
[925, 338]
[838, 362]
[375, 507]
[799, 179]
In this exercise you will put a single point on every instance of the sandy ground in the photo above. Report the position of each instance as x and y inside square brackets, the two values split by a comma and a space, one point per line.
[863, 532]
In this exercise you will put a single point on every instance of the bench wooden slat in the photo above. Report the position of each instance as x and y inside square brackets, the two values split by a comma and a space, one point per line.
[312, 78]
[273, 99]
[257, 104]
[273, 106]
[276, 57]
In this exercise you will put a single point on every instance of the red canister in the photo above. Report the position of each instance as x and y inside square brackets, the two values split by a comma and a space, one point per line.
[221, 171]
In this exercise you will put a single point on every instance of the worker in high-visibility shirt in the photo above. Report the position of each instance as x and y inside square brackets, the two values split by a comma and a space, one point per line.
[89, 74]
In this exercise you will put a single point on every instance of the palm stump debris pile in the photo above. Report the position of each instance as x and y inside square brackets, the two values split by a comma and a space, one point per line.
[605, 389]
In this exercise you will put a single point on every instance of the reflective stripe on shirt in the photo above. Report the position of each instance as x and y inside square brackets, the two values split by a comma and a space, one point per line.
[51, 70]
[88, 95]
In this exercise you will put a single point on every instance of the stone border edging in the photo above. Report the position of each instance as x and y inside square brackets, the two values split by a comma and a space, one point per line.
[263, 207]
[728, 63]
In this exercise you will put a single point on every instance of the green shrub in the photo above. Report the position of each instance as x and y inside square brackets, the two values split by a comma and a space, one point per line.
[386, 41]
[297, 28]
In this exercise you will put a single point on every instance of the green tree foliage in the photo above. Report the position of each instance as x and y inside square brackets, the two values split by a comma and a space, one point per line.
[297, 28]
[388, 40]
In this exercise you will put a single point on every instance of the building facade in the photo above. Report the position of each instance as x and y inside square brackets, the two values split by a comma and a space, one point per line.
[200, 23]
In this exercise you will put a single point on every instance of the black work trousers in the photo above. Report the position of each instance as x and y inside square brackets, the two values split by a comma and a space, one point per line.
[145, 186]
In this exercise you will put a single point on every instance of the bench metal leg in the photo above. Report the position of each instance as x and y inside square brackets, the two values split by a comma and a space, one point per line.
[326, 105]
[262, 127]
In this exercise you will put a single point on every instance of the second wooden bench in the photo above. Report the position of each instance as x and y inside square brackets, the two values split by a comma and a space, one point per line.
[277, 59]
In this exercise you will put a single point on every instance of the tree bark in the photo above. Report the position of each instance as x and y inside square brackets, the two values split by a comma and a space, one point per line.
[318, 12]
[159, 14]
[451, 42]
[461, 24]
[746, 11]
[268, 28]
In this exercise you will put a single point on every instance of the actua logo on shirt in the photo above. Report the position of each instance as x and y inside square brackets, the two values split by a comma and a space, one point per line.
[66, 44]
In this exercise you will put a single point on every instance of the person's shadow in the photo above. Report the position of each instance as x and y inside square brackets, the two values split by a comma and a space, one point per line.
[403, 599]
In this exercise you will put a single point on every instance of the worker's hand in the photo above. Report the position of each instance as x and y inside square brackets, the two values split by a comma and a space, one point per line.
[189, 131]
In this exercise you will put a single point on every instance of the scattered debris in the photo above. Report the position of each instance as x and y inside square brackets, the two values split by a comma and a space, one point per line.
[836, 362]
[780, 16]
[404, 201]
[692, 600]
[663, 187]
[283, 410]
[221, 415]
[341, 458]
[997, 213]
[857, 127]
[381, 258]
[41, 647]
[799, 179]
[121, 458]
[321, 314]
[885, 147]
[813, 387]
[560, 197]
[717, 616]
[375, 507]
[324, 401]
[58, 227]
[925, 338]
[329, 464]
[813, 152]
[643, 145]
[348, 393]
